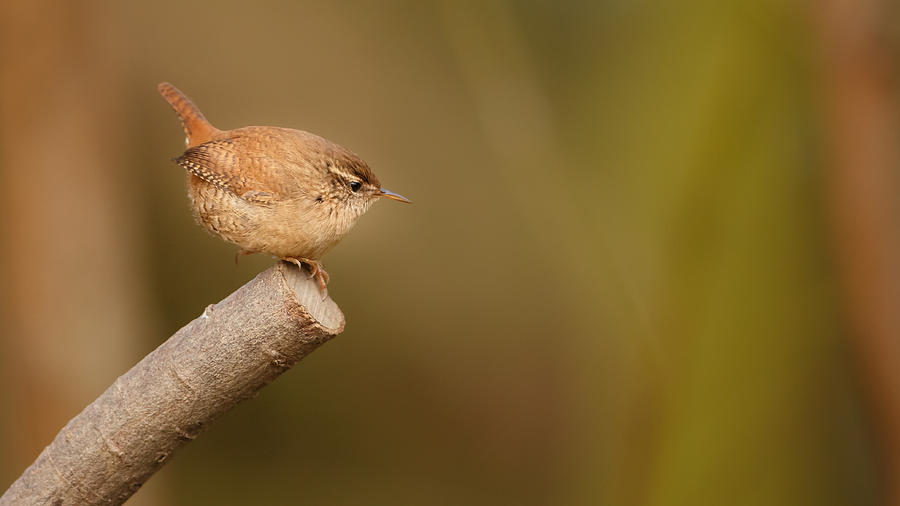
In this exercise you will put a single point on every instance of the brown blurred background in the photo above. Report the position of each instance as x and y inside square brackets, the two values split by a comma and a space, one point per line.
[653, 259]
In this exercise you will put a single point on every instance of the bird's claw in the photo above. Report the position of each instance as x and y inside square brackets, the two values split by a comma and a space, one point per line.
[316, 271]
[241, 253]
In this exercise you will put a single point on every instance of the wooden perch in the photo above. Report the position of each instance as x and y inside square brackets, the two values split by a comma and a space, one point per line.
[105, 453]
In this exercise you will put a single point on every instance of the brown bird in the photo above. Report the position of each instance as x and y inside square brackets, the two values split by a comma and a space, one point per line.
[273, 190]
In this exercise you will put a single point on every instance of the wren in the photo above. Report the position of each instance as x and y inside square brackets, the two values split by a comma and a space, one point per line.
[273, 190]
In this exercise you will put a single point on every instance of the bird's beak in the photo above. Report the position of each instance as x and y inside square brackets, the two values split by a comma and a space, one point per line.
[391, 195]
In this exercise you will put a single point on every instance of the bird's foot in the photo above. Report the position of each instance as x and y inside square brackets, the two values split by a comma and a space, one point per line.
[242, 253]
[316, 270]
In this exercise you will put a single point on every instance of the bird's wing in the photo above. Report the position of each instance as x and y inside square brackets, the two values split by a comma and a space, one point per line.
[233, 165]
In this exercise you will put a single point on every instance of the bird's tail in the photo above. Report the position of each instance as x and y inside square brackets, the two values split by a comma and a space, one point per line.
[196, 127]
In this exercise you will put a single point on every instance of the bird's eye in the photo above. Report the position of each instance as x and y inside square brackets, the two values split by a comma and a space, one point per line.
[355, 186]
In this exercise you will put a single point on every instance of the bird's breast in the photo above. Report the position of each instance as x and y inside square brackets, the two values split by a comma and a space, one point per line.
[300, 227]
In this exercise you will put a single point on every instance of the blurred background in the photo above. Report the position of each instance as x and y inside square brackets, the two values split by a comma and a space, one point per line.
[653, 255]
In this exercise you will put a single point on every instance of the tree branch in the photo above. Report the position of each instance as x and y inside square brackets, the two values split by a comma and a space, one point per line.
[105, 453]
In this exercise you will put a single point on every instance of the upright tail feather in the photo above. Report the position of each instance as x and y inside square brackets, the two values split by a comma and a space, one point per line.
[196, 127]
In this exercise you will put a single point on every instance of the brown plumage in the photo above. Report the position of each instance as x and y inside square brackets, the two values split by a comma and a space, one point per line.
[273, 190]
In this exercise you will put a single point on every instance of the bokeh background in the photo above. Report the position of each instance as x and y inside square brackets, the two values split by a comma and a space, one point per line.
[653, 258]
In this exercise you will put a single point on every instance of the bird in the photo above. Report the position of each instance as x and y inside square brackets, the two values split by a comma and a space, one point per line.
[266, 189]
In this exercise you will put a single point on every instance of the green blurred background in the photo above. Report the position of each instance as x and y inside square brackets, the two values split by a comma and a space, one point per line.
[626, 279]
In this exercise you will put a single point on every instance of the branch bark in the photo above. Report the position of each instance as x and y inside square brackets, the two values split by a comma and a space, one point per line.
[105, 453]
